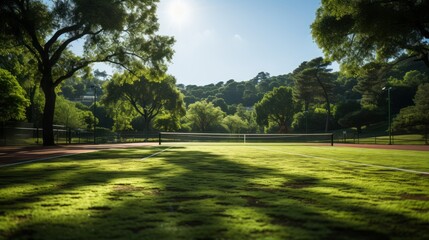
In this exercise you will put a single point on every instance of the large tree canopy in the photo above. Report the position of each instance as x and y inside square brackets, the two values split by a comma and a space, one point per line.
[416, 116]
[118, 32]
[204, 116]
[360, 31]
[149, 97]
[276, 106]
[12, 97]
[314, 80]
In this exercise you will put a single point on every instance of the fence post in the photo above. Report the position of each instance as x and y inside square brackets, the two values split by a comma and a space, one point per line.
[3, 135]
[69, 136]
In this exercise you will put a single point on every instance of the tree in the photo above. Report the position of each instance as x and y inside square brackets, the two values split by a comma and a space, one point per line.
[234, 123]
[149, 97]
[248, 115]
[371, 79]
[116, 32]
[361, 118]
[219, 102]
[20, 64]
[167, 122]
[414, 78]
[277, 106]
[361, 31]
[232, 92]
[314, 79]
[122, 115]
[417, 116]
[303, 89]
[311, 121]
[12, 98]
[204, 115]
[67, 114]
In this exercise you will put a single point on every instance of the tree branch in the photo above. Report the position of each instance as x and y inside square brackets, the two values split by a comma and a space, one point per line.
[57, 54]
[58, 34]
[29, 29]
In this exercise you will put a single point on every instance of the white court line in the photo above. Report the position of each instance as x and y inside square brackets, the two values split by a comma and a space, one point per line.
[349, 162]
[155, 154]
[37, 160]
[67, 155]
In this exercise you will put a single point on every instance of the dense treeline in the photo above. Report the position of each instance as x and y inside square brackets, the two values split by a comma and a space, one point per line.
[44, 83]
[235, 106]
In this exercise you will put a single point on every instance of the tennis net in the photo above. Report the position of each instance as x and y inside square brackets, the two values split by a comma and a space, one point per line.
[313, 138]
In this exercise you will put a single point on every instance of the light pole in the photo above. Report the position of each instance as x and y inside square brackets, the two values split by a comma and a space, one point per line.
[93, 110]
[389, 113]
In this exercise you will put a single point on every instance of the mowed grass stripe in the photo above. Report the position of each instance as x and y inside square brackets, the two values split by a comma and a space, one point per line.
[218, 191]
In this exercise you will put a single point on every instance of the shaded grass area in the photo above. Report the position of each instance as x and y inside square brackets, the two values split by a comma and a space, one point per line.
[218, 192]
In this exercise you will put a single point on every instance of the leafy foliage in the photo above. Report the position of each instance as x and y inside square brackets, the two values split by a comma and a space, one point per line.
[276, 106]
[12, 98]
[148, 97]
[361, 31]
[118, 32]
[234, 123]
[67, 114]
[361, 118]
[416, 116]
[313, 80]
[204, 116]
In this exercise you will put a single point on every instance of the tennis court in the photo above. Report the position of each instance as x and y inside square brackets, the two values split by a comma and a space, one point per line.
[219, 191]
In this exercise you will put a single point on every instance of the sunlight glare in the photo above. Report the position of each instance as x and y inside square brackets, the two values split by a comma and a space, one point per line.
[179, 12]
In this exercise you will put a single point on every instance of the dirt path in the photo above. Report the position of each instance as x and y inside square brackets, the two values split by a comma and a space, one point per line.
[10, 155]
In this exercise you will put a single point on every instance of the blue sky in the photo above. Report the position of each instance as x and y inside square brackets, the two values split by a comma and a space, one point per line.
[218, 40]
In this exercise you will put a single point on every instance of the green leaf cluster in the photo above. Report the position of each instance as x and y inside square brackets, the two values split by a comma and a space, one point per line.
[12, 98]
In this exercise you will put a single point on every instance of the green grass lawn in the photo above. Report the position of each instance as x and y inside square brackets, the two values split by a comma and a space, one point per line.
[212, 191]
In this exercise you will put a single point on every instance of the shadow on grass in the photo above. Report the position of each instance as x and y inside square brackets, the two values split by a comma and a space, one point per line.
[189, 195]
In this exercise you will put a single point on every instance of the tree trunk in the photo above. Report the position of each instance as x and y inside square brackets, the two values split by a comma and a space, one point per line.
[147, 117]
[328, 116]
[48, 111]
[282, 126]
[328, 107]
[426, 134]
[31, 109]
[283, 129]
[146, 128]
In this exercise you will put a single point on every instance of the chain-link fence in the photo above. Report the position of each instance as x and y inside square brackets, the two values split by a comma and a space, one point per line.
[408, 138]
[24, 134]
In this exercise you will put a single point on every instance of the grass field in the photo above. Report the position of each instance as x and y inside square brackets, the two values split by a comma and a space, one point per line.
[212, 191]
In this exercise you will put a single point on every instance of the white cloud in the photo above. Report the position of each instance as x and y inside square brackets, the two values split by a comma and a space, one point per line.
[208, 33]
[238, 37]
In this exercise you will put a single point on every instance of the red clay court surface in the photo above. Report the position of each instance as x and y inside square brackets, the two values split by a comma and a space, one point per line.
[381, 146]
[13, 155]
[10, 155]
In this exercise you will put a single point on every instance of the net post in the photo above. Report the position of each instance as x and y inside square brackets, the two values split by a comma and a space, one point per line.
[332, 139]
[159, 138]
